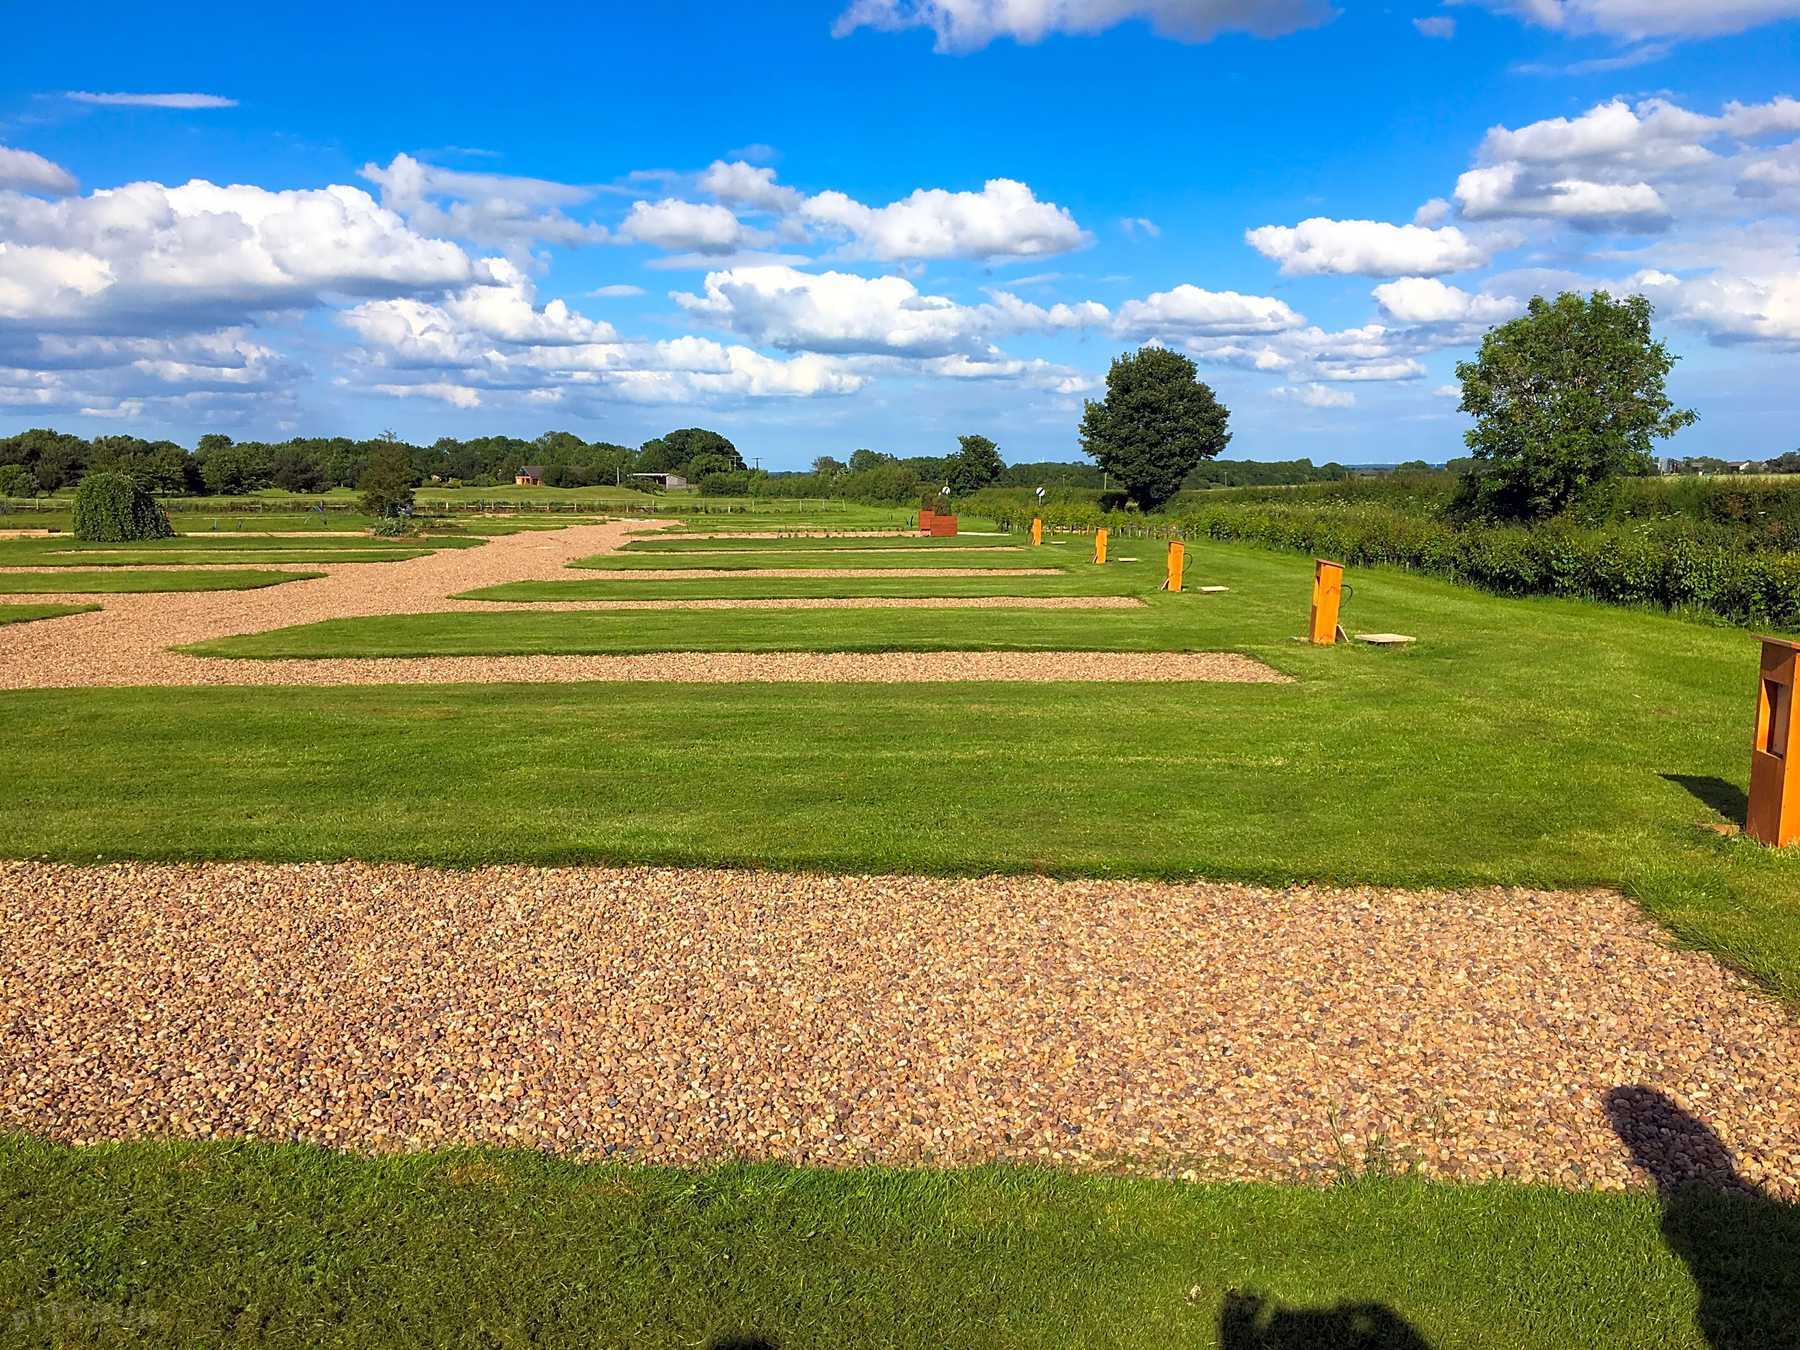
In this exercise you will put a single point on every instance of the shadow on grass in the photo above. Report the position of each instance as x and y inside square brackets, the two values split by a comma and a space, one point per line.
[1250, 1322]
[1728, 799]
[1741, 1244]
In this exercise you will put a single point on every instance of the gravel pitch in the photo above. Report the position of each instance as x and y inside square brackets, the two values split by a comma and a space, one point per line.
[1200, 1030]
[127, 641]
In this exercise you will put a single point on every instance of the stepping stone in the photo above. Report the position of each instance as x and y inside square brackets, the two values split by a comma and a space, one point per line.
[1211, 590]
[1385, 639]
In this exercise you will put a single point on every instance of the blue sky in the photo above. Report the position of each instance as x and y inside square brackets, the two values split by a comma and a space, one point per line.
[818, 227]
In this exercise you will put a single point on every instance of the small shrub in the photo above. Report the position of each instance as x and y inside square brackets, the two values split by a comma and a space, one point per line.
[114, 508]
[17, 481]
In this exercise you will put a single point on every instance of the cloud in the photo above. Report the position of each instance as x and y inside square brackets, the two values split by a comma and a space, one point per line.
[1370, 353]
[152, 100]
[1136, 225]
[616, 291]
[698, 227]
[967, 25]
[1634, 20]
[22, 171]
[492, 341]
[1188, 311]
[743, 184]
[1641, 55]
[1004, 220]
[1317, 396]
[1365, 247]
[151, 258]
[490, 209]
[1613, 166]
[1426, 300]
[1436, 26]
[841, 313]
[1760, 308]
[1508, 190]
[456, 395]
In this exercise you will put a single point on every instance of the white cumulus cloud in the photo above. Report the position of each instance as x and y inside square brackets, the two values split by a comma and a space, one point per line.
[23, 171]
[1365, 248]
[1426, 300]
[695, 227]
[1004, 220]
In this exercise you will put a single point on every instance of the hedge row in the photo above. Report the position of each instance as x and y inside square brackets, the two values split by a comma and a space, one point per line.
[1668, 564]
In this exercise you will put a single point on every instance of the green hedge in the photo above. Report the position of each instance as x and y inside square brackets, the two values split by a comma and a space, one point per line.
[112, 508]
[1672, 564]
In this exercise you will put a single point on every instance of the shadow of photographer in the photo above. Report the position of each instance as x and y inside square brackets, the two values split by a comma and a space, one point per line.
[1741, 1244]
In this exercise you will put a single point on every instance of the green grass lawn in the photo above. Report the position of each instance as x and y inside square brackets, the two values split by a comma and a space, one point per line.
[849, 585]
[120, 581]
[822, 543]
[28, 613]
[205, 1244]
[1545, 742]
[777, 555]
[1158, 626]
[192, 550]
[1537, 742]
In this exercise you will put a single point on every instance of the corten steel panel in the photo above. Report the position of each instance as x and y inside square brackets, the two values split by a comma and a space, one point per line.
[1037, 529]
[1328, 590]
[1177, 561]
[1773, 816]
[1100, 546]
[943, 527]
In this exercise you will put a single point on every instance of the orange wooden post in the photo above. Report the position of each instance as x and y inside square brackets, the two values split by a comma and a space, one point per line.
[1328, 590]
[1774, 814]
[1037, 529]
[1177, 560]
[1100, 546]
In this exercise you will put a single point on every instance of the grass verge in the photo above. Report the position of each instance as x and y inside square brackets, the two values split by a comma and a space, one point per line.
[184, 1244]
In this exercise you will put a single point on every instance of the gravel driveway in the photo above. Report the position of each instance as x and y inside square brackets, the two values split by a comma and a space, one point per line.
[686, 1016]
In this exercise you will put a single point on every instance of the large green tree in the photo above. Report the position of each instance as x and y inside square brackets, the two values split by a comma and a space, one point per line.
[975, 465]
[1157, 422]
[1569, 394]
[387, 484]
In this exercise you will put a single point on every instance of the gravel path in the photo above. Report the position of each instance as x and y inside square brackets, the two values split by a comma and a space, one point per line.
[683, 1016]
[127, 642]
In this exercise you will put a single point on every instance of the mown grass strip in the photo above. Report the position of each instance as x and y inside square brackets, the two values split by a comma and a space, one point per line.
[182, 1244]
[846, 587]
[119, 582]
[31, 613]
[736, 560]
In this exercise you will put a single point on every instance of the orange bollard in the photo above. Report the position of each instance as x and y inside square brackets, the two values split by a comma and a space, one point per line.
[1328, 590]
[1037, 529]
[1100, 546]
[1774, 814]
[1177, 560]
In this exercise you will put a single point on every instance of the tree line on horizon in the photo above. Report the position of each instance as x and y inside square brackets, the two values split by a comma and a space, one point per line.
[44, 460]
